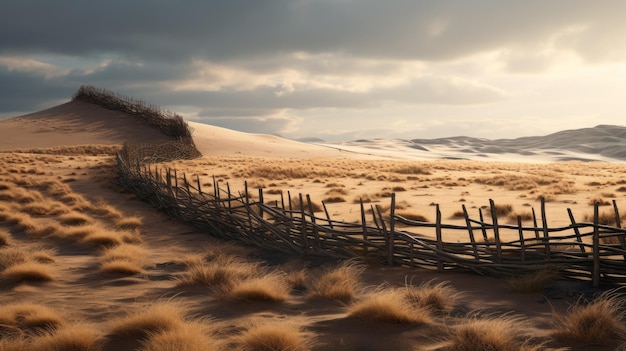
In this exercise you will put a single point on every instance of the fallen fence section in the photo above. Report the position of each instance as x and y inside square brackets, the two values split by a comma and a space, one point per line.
[583, 251]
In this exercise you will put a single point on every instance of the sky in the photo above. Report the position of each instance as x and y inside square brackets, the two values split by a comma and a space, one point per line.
[337, 70]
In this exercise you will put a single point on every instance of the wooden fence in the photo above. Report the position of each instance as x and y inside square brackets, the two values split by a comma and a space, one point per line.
[587, 251]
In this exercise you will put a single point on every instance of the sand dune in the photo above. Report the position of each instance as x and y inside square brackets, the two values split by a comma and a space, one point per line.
[133, 278]
[601, 143]
[74, 123]
[79, 122]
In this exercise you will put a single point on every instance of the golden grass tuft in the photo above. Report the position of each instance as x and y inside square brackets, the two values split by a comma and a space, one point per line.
[30, 317]
[274, 336]
[221, 275]
[5, 238]
[129, 223]
[298, 279]
[437, 297]
[10, 256]
[388, 306]
[411, 216]
[338, 283]
[27, 272]
[533, 282]
[599, 321]
[187, 337]
[501, 333]
[73, 337]
[156, 318]
[272, 287]
[74, 218]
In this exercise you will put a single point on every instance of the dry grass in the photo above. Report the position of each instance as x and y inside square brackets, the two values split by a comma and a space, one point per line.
[534, 282]
[274, 336]
[27, 272]
[338, 283]
[74, 218]
[388, 305]
[5, 238]
[129, 223]
[186, 337]
[221, 275]
[29, 318]
[298, 280]
[295, 205]
[435, 297]
[10, 256]
[502, 210]
[73, 337]
[502, 334]
[600, 321]
[272, 287]
[412, 216]
[156, 318]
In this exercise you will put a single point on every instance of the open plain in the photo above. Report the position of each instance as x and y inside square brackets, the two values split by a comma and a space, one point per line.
[86, 265]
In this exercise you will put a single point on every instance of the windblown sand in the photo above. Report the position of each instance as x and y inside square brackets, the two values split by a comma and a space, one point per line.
[111, 257]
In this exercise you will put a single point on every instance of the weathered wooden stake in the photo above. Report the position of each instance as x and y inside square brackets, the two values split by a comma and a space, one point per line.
[471, 232]
[576, 231]
[521, 238]
[544, 225]
[596, 247]
[439, 236]
[364, 225]
[496, 230]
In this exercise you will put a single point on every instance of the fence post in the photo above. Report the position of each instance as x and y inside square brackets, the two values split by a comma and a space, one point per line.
[316, 234]
[470, 231]
[385, 234]
[577, 232]
[521, 238]
[392, 226]
[305, 240]
[535, 224]
[618, 223]
[544, 224]
[596, 247]
[364, 225]
[496, 230]
[439, 237]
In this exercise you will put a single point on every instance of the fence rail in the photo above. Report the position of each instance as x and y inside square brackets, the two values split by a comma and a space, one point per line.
[588, 251]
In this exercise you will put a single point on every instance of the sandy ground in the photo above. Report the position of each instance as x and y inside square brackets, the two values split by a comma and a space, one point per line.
[83, 293]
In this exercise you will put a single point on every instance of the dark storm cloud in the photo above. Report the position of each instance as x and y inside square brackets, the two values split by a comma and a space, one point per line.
[236, 29]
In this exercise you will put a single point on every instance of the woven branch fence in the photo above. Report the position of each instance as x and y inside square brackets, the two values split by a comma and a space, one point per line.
[583, 251]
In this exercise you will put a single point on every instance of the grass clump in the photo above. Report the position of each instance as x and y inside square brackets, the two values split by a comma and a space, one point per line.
[5, 238]
[187, 337]
[338, 283]
[221, 275]
[272, 287]
[29, 318]
[274, 336]
[411, 216]
[388, 306]
[156, 318]
[437, 297]
[501, 333]
[27, 272]
[74, 337]
[533, 282]
[600, 321]
[124, 258]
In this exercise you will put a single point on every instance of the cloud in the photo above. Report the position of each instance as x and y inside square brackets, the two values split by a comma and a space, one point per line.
[231, 30]
[323, 66]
